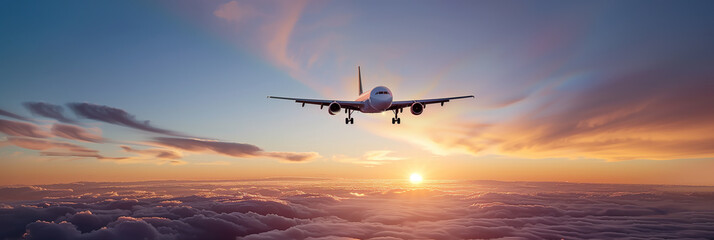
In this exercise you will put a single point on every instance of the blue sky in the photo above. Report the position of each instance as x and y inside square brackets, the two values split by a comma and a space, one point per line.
[563, 86]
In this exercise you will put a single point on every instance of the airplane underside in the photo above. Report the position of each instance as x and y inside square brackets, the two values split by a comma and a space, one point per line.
[395, 119]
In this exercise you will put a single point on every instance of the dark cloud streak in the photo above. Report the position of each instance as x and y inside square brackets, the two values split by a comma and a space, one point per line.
[15, 116]
[232, 149]
[49, 111]
[116, 116]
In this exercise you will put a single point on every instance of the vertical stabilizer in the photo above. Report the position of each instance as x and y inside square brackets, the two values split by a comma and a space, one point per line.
[359, 76]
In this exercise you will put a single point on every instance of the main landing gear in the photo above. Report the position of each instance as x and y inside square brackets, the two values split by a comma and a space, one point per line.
[349, 119]
[396, 119]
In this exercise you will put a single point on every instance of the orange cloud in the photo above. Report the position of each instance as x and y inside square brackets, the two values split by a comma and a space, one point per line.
[75, 133]
[370, 158]
[270, 28]
[21, 129]
[646, 117]
[155, 153]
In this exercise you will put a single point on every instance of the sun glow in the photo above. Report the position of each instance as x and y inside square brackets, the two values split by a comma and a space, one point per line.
[415, 178]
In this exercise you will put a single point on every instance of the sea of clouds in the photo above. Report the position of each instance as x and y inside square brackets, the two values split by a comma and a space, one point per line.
[347, 209]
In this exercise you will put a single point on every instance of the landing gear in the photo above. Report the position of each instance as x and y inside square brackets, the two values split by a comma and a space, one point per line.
[349, 119]
[396, 118]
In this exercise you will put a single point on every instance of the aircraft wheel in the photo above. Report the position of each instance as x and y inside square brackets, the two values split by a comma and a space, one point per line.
[347, 121]
[352, 121]
[399, 121]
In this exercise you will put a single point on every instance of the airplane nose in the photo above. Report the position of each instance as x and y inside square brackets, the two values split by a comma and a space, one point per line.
[382, 103]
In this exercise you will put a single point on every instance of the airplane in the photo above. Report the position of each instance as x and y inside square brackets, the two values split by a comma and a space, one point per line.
[376, 101]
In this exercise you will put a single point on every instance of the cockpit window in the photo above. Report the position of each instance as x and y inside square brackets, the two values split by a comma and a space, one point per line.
[382, 92]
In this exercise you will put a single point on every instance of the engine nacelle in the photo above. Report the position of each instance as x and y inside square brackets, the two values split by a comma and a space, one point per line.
[417, 108]
[334, 108]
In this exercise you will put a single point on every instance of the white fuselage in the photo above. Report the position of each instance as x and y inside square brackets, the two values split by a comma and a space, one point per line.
[376, 101]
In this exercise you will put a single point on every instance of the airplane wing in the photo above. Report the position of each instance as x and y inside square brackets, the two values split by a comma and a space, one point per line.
[403, 104]
[354, 105]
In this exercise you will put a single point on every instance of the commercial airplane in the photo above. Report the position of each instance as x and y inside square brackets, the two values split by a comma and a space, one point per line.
[376, 101]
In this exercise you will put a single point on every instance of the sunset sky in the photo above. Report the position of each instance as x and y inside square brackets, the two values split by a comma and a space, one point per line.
[578, 91]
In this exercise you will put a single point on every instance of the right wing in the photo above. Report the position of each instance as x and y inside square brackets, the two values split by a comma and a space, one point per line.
[353, 105]
[403, 104]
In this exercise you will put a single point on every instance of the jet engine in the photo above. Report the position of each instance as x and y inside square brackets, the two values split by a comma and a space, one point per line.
[334, 108]
[417, 108]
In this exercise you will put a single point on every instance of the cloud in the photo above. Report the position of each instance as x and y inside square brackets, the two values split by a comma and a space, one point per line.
[232, 149]
[640, 117]
[30, 193]
[25, 135]
[59, 149]
[273, 31]
[370, 158]
[48, 110]
[41, 144]
[639, 114]
[157, 153]
[115, 116]
[235, 12]
[22, 129]
[75, 133]
[15, 116]
[94, 154]
[329, 209]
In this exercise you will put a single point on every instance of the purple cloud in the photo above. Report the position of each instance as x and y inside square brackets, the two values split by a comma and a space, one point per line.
[116, 116]
[58, 149]
[232, 149]
[157, 153]
[48, 110]
[22, 129]
[15, 116]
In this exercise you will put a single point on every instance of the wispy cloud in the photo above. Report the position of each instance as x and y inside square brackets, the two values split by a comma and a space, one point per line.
[236, 12]
[22, 129]
[75, 133]
[32, 136]
[15, 116]
[370, 158]
[156, 153]
[271, 28]
[634, 114]
[49, 111]
[232, 149]
[43, 144]
[116, 116]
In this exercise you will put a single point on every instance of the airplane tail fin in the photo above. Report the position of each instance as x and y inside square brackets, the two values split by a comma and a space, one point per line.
[359, 76]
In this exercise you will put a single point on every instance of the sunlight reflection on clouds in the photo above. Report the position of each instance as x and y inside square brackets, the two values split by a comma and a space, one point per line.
[314, 208]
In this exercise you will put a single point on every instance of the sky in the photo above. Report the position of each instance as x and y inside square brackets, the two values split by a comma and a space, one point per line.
[566, 91]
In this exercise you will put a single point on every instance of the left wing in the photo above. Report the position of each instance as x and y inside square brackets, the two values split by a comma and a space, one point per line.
[403, 104]
[354, 105]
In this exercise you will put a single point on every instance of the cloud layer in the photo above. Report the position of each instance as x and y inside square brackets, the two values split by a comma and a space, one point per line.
[312, 208]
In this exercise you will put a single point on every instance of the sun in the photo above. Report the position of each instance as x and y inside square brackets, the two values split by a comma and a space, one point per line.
[415, 178]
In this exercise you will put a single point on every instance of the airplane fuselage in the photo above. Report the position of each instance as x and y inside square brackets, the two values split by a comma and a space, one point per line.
[376, 101]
